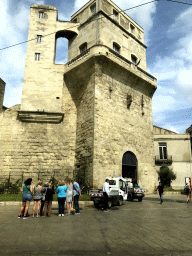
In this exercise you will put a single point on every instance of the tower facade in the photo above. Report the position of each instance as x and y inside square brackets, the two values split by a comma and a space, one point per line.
[95, 112]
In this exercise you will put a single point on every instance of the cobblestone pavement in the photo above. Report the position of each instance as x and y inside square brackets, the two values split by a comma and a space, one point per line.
[146, 228]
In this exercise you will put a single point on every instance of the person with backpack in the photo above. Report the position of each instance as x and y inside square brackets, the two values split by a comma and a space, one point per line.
[188, 192]
[61, 197]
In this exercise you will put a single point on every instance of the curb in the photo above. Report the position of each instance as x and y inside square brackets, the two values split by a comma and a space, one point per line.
[82, 204]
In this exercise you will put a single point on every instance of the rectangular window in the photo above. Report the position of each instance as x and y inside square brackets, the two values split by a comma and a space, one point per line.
[163, 150]
[83, 48]
[39, 38]
[132, 28]
[115, 15]
[116, 48]
[93, 9]
[41, 15]
[37, 56]
[133, 59]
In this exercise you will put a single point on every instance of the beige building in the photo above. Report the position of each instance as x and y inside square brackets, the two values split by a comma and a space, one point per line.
[174, 150]
[95, 112]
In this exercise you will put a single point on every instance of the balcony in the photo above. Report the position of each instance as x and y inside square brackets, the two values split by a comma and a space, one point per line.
[159, 161]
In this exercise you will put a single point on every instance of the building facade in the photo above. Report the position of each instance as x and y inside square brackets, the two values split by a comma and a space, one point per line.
[93, 113]
[174, 150]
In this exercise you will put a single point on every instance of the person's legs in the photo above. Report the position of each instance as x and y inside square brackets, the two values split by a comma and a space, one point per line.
[45, 208]
[38, 207]
[161, 198]
[105, 201]
[42, 205]
[76, 203]
[26, 208]
[34, 207]
[61, 205]
[21, 208]
[64, 198]
[49, 208]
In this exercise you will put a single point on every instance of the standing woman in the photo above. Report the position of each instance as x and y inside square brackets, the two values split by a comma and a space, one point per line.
[69, 195]
[27, 197]
[38, 190]
[48, 199]
[61, 197]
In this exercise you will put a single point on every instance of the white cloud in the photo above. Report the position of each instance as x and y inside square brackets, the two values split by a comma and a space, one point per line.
[12, 60]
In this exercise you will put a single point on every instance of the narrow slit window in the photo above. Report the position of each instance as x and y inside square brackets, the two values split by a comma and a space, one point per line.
[93, 9]
[39, 37]
[37, 56]
[83, 48]
[132, 28]
[41, 15]
[115, 15]
[116, 48]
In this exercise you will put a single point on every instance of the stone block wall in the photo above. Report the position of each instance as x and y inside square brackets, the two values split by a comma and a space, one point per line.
[36, 148]
[119, 129]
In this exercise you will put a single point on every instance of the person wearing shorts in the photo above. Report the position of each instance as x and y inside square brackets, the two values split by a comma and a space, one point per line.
[38, 190]
[27, 197]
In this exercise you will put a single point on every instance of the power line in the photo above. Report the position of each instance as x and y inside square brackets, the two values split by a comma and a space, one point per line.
[96, 20]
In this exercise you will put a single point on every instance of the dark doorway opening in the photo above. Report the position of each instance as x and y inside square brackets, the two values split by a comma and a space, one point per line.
[129, 166]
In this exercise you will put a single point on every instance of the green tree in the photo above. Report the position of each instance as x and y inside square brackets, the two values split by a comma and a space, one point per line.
[166, 175]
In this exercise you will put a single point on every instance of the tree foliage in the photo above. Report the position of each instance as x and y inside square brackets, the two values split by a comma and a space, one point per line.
[166, 175]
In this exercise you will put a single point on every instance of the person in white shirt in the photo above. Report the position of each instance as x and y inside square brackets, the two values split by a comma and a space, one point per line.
[105, 194]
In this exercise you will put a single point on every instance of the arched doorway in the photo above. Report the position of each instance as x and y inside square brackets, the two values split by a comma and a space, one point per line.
[129, 166]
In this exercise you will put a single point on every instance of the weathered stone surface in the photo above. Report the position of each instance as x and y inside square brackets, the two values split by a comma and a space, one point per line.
[106, 101]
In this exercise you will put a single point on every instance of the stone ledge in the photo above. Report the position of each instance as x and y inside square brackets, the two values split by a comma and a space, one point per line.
[40, 117]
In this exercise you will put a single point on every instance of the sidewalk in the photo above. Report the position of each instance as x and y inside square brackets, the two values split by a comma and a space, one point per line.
[167, 196]
[170, 197]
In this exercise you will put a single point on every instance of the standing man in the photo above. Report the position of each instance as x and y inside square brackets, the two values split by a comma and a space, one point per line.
[105, 194]
[160, 190]
[76, 193]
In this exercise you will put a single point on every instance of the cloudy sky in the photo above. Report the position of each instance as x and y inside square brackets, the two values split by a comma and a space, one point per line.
[168, 36]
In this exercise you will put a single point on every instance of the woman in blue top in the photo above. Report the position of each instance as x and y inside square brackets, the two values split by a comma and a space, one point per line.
[27, 197]
[61, 197]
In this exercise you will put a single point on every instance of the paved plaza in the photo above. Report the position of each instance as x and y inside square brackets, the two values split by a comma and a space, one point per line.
[146, 228]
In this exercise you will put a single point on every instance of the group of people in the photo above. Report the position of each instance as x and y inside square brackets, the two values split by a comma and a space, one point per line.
[187, 190]
[43, 197]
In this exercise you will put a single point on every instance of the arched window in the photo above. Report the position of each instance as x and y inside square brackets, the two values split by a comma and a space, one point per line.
[61, 45]
[133, 59]
[83, 48]
[116, 48]
[61, 50]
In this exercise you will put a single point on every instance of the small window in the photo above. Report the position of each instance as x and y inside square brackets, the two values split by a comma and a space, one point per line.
[83, 48]
[116, 48]
[115, 15]
[163, 150]
[39, 38]
[112, 182]
[132, 28]
[93, 9]
[37, 56]
[133, 59]
[41, 15]
[75, 20]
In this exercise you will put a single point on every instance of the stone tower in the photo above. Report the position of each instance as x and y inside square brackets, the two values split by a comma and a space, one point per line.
[2, 91]
[100, 97]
